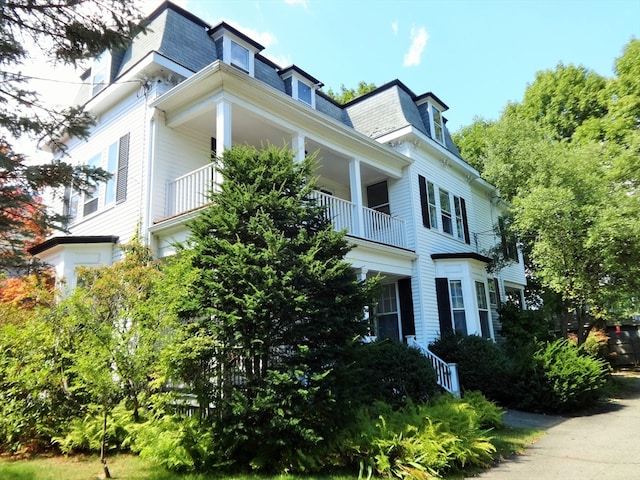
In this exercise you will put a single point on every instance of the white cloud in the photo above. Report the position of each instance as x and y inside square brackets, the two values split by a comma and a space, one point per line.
[394, 27]
[419, 39]
[296, 2]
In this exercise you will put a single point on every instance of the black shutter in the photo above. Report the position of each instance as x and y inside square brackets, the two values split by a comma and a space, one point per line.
[424, 201]
[444, 306]
[465, 222]
[123, 169]
[406, 307]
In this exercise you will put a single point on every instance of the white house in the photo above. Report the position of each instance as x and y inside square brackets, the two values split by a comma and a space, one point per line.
[414, 210]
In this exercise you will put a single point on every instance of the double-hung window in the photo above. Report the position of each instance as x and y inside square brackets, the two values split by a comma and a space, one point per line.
[92, 195]
[437, 129]
[445, 212]
[112, 168]
[115, 161]
[483, 309]
[457, 306]
[459, 218]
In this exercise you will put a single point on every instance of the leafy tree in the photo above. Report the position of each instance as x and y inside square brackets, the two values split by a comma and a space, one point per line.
[116, 322]
[272, 312]
[345, 94]
[566, 158]
[562, 99]
[65, 31]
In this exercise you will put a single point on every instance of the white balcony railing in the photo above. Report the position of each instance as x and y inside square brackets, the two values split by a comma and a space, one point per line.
[190, 191]
[375, 226]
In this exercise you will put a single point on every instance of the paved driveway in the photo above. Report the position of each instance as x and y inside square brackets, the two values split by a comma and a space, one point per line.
[604, 445]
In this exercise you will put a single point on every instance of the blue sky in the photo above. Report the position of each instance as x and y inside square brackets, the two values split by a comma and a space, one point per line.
[475, 55]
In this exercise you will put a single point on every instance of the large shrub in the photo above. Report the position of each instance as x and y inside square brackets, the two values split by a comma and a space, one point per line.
[393, 373]
[421, 441]
[482, 365]
[558, 376]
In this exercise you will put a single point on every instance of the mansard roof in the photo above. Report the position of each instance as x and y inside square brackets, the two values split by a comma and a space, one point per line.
[183, 38]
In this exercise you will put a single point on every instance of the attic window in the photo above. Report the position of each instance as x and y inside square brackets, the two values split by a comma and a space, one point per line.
[99, 70]
[239, 56]
[304, 93]
[437, 130]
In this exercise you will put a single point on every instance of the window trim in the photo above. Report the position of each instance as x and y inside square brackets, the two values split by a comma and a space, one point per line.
[437, 124]
[432, 209]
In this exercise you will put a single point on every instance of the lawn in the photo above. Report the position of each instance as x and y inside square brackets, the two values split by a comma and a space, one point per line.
[507, 441]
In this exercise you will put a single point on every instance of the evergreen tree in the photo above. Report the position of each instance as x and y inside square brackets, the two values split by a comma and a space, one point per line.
[68, 32]
[274, 311]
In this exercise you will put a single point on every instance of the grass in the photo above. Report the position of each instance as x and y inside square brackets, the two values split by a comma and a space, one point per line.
[508, 441]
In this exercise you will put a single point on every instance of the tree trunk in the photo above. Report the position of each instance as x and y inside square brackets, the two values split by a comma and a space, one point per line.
[103, 457]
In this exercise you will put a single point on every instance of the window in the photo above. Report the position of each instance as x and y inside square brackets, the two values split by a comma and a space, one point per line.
[72, 204]
[112, 166]
[387, 317]
[431, 198]
[430, 210]
[99, 70]
[457, 306]
[493, 292]
[378, 197]
[445, 211]
[508, 240]
[459, 222]
[437, 130]
[91, 196]
[115, 161]
[239, 56]
[514, 295]
[304, 93]
[483, 309]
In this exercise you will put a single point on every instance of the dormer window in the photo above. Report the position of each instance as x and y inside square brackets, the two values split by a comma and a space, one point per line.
[437, 128]
[239, 56]
[305, 93]
[99, 72]
[235, 48]
[431, 108]
[300, 85]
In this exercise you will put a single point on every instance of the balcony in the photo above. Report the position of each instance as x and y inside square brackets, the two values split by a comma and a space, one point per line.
[189, 193]
[364, 222]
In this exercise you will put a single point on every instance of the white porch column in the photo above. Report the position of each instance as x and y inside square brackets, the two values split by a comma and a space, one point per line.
[223, 127]
[297, 145]
[355, 185]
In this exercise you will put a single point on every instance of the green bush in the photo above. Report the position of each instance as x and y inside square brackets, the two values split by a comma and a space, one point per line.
[175, 442]
[558, 376]
[419, 441]
[85, 434]
[482, 365]
[393, 373]
[523, 327]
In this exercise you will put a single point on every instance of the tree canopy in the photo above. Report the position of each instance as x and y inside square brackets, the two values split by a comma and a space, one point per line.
[566, 158]
[345, 94]
[65, 31]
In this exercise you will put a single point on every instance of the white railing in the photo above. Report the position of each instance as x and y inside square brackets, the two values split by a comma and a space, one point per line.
[447, 373]
[376, 226]
[383, 228]
[190, 191]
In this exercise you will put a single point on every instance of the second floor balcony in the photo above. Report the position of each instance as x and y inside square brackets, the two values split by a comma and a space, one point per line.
[189, 192]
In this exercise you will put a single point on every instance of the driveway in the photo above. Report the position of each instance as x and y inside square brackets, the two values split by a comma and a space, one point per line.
[603, 445]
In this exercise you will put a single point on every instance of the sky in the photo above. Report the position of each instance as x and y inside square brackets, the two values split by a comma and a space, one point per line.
[474, 55]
